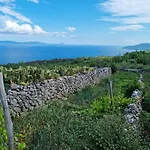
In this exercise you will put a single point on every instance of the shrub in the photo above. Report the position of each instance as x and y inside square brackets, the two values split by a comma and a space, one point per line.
[113, 68]
[128, 90]
[109, 134]
[145, 119]
[103, 105]
[57, 127]
[146, 104]
[3, 136]
[145, 123]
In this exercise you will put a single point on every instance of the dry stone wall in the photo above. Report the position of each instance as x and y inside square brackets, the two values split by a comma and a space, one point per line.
[133, 111]
[26, 98]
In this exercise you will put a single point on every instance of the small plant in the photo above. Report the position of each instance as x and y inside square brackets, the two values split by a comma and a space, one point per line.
[128, 90]
[113, 68]
[3, 134]
[104, 105]
[30, 74]
[20, 145]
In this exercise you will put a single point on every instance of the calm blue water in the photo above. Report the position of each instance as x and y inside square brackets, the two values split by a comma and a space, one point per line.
[16, 53]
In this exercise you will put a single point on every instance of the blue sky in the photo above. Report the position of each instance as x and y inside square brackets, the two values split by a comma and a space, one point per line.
[96, 22]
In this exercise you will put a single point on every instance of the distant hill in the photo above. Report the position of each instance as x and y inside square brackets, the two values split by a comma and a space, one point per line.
[142, 46]
[21, 43]
[30, 44]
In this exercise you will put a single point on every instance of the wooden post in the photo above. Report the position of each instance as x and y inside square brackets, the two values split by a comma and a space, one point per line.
[110, 89]
[7, 117]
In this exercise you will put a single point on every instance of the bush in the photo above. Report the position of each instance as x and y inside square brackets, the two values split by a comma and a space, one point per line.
[145, 123]
[113, 68]
[128, 90]
[58, 128]
[103, 105]
[109, 134]
[3, 134]
[4, 139]
[146, 104]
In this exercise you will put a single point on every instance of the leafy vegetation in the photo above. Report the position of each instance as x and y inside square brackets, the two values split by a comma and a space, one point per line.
[58, 127]
[20, 145]
[3, 134]
[102, 105]
[26, 75]
[88, 120]
[134, 60]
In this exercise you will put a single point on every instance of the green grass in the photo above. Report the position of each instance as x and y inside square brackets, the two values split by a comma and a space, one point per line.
[57, 127]
[67, 125]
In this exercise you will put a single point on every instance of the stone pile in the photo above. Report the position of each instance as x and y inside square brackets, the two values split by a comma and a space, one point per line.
[133, 111]
[26, 98]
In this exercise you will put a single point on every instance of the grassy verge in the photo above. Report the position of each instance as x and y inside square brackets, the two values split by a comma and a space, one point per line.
[85, 121]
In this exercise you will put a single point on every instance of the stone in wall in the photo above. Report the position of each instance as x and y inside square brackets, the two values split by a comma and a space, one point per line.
[133, 111]
[26, 98]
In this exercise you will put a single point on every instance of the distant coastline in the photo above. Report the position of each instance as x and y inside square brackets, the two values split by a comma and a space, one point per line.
[142, 46]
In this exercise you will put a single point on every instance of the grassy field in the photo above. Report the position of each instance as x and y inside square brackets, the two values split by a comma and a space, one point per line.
[87, 120]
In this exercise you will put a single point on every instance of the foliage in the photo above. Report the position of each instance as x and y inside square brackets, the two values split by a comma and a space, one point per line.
[25, 75]
[145, 123]
[136, 60]
[89, 93]
[3, 136]
[113, 68]
[128, 90]
[103, 105]
[89, 119]
[121, 82]
[58, 127]
[146, 103]
[109, 134]
[86, 120]
[146, 100]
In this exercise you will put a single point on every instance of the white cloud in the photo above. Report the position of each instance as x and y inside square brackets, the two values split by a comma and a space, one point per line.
[73, 36]
[11, 27]
[4, 18]
[39, 30]
[71, 29]
[59, 34]
[34, 1]
[13, 22]
[127, 11]
[9, 11]
[127, 7]
[127, 20]
[128, 28]
[6, 1]
[46, 2]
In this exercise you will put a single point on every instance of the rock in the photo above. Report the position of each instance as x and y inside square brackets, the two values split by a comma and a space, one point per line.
[136, 94]
[22, 93]
[23, 109]
[15, 86]
[23, 98]
[14, 93]
[12, 102]
[17, 109]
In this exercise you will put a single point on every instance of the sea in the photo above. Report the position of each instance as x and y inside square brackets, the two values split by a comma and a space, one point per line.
[26, 53]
